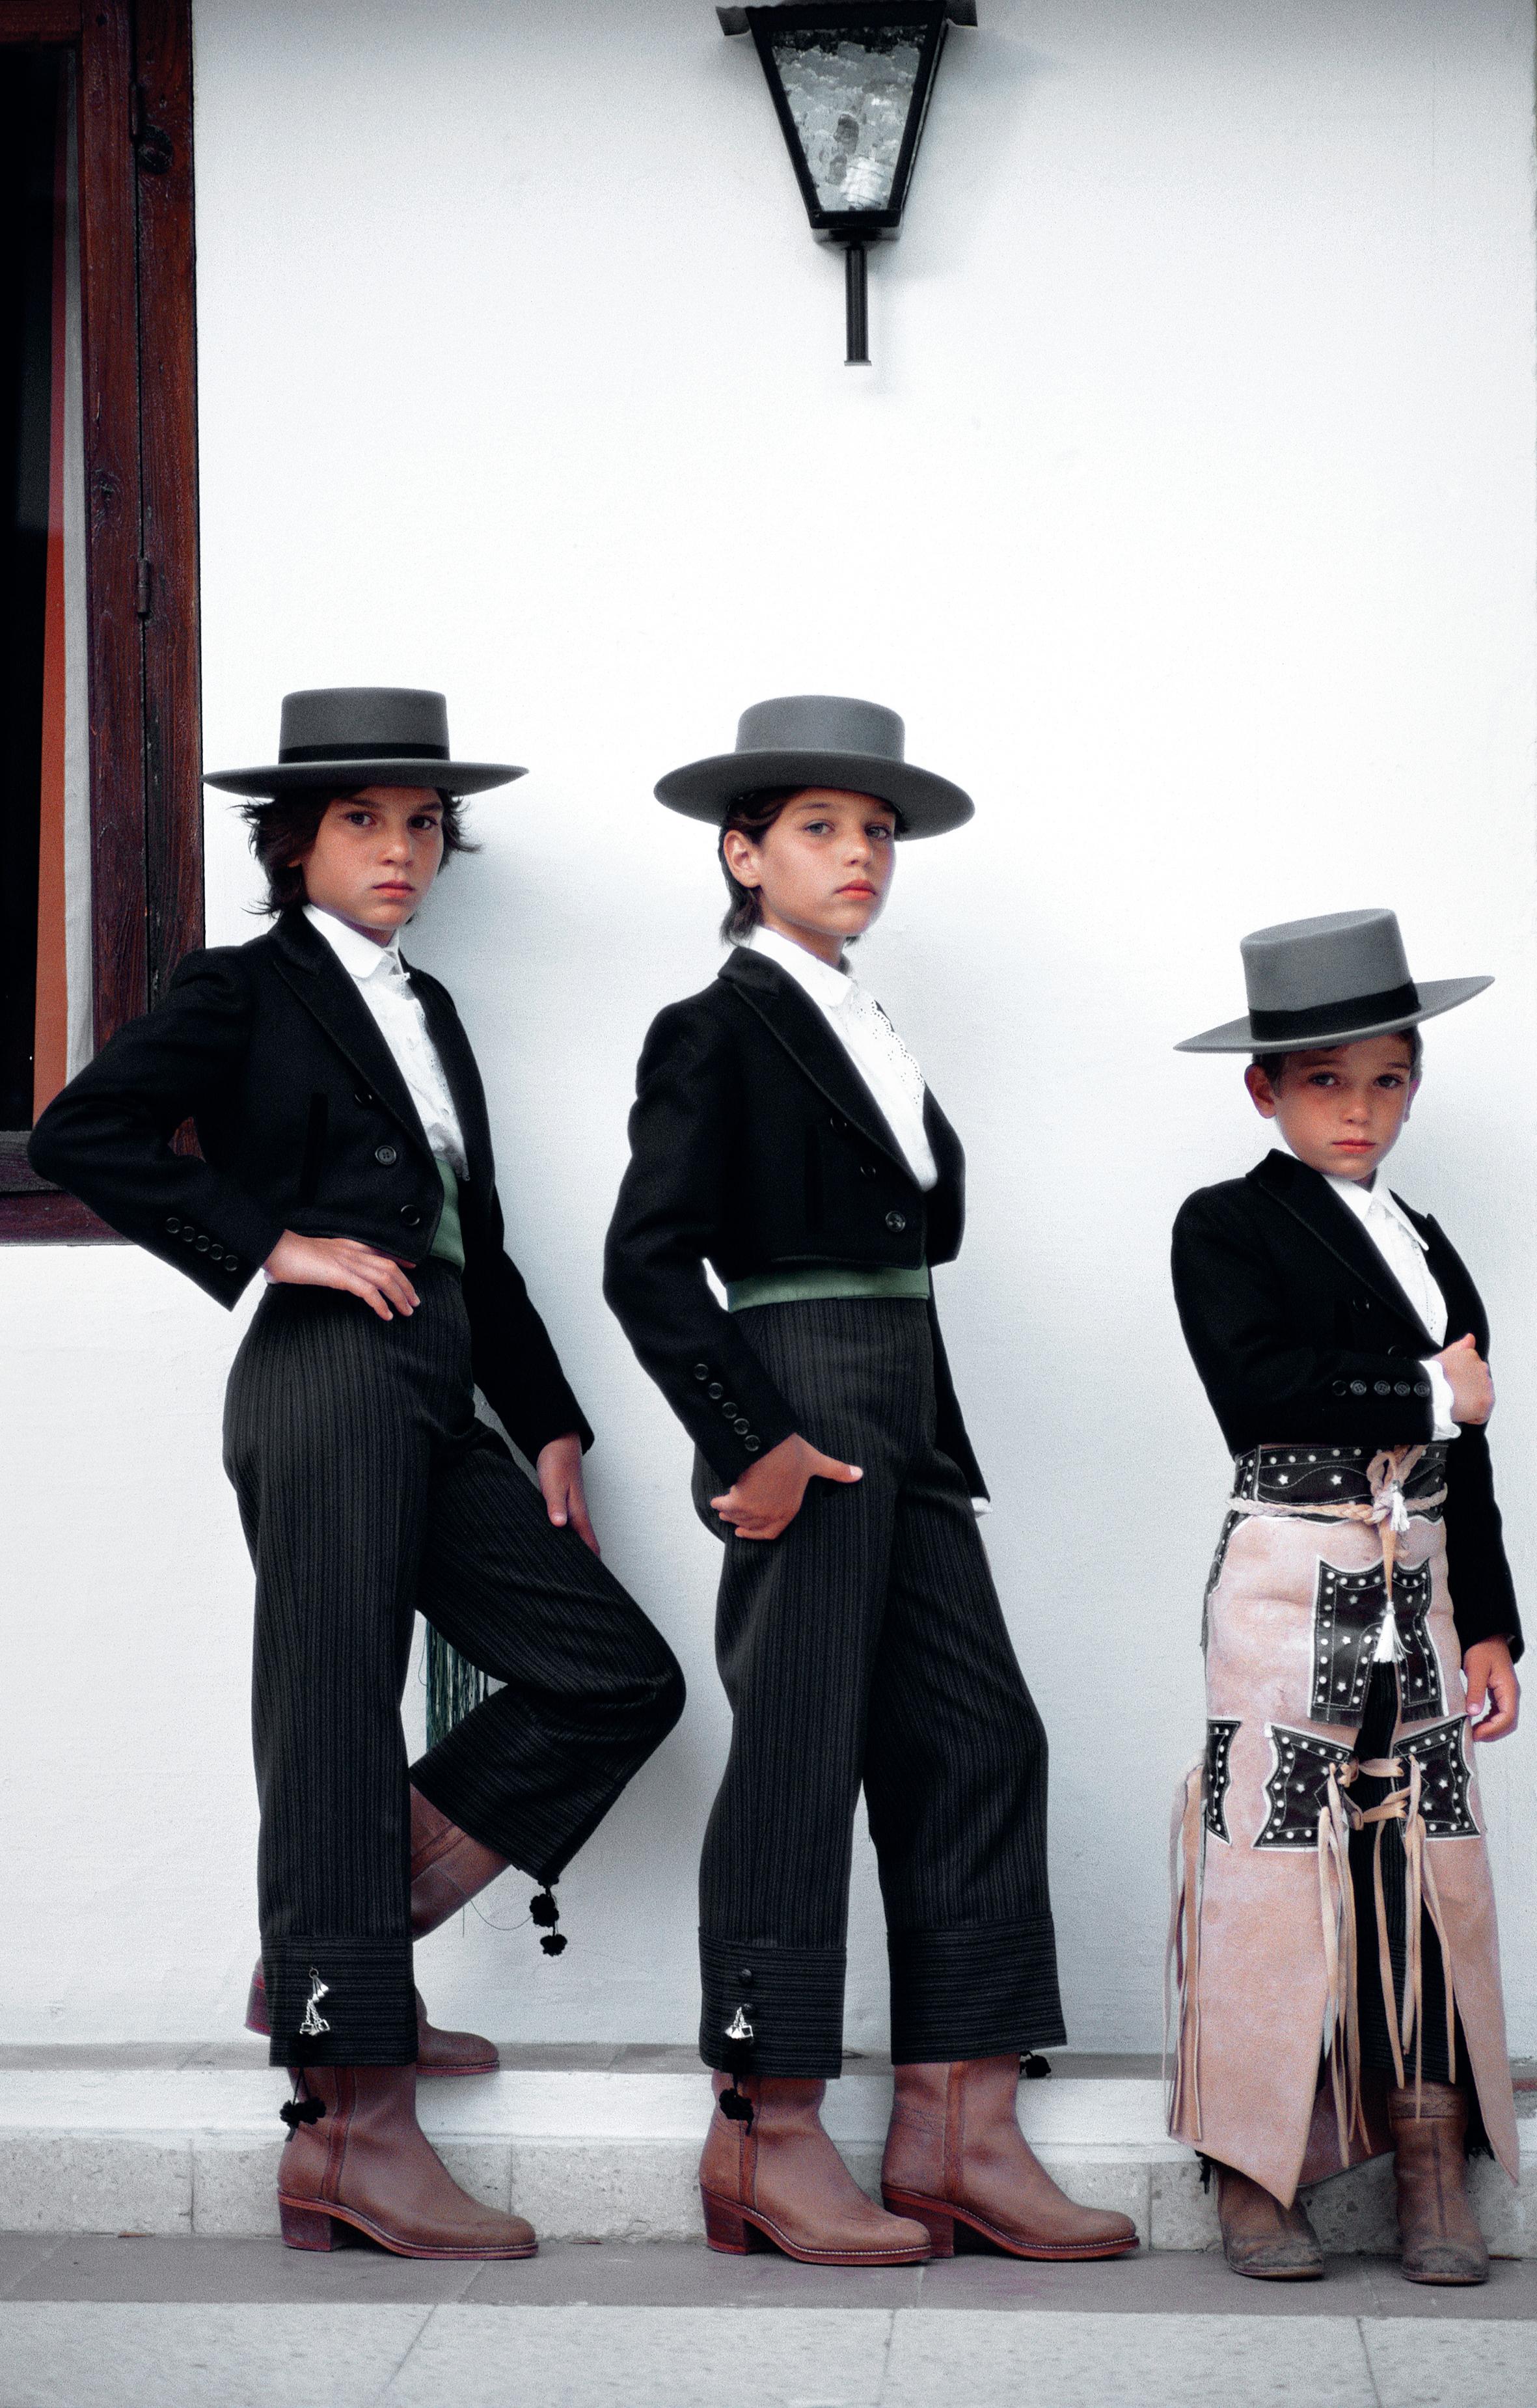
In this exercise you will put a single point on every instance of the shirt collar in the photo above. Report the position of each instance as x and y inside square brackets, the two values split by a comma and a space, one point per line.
[826, 986]
[359, 955]
[1363, 1201]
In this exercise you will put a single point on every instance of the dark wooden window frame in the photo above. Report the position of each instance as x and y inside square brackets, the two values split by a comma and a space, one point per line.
[134, 87]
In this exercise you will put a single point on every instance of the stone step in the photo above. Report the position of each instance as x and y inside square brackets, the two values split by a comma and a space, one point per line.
[591, 2144]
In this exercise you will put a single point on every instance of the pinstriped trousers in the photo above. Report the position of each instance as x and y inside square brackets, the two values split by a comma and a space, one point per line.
[368, 1490]
[866, 1646]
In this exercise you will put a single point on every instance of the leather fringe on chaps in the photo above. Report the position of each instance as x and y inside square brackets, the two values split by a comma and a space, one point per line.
[1260, 1986]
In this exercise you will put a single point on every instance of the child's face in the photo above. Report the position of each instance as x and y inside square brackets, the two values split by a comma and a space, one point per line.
[1340, 1109]
[822, 869]
[375, 855]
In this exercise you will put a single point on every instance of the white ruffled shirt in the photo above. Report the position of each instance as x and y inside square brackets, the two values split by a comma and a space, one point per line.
[869, 1040]
[382, 982]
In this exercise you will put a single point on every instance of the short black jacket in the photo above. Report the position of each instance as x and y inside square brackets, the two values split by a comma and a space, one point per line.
[1299, 1331]
[756, 1146]
[305, 1123]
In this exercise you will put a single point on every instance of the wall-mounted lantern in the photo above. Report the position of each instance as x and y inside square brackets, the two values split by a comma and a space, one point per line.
[851, 80]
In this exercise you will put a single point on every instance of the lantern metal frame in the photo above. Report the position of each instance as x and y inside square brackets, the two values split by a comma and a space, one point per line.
[852, 230]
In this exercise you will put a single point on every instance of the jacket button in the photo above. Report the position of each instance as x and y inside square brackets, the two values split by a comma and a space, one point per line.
[729, 1407]
[896, 1220]
[714, 1392]
[745, 1977]
[1358, 1387]
[741, 1428]
[411, 1216]
[203, 1245]
[1341, 1387]
[188, 1233]
[387, 1155]
[1400, 1387]
[1382, 1387]
[869, 1171]
[1422, 1387]
[231, 1263]
[364, 1095]
[752, 1445]
[701, 1370]
[175, 1227]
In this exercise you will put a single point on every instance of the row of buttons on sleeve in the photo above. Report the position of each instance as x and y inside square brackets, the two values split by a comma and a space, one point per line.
[1383, 1388]
[201, 1245]
[728, 1408]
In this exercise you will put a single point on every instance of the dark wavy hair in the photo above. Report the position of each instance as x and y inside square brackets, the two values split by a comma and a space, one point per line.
[288, 825]
[754, 815]
[1274, 1064]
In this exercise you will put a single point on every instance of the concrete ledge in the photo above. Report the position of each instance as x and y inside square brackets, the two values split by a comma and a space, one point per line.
[172, 2144]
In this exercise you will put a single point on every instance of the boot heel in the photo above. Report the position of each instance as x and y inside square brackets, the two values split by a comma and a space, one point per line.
[305, 2227]
[725, 2226]
[937, 2222]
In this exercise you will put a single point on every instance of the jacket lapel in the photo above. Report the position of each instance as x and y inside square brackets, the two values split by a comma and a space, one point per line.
[792, 1018]
[1307, 1196]
[460, 1068]
[306, 964]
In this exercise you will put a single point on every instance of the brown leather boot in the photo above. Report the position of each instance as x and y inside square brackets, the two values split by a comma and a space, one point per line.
[447, 1867]
[956, 2157]
[1260, 2237]
[366, 2162]
[780, 2180]
[438, 2052]
[1442, 2242]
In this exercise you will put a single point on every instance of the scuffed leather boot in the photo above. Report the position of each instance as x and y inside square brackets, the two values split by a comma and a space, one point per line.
[447, 1867]
[438, 2052]
[1437, 2226]
[1260, 2237]
[956, 2157]
[780, 2180]
[366, 2161]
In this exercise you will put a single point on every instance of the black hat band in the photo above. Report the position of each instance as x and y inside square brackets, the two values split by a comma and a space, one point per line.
[290, 754]
[1320, 1019]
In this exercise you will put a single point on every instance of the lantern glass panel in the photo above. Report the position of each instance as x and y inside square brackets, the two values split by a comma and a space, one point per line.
[850, 93]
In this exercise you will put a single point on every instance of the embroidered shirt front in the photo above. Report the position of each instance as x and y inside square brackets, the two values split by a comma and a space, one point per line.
[871, 1043]
[382, 982]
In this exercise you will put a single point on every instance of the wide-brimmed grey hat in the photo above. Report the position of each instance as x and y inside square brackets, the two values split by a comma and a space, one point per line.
[818, 739]
[350, 736]
[1328, 981]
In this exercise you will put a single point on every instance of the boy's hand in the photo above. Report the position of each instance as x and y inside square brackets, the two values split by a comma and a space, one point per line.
[767, 1498]
[559, 1469]
[1491, 1674]
[1468, 1375]
[342, 1262]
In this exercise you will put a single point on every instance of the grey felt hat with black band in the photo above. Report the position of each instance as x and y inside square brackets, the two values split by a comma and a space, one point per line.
[1328, 981]
[351, 736]
[818, 739]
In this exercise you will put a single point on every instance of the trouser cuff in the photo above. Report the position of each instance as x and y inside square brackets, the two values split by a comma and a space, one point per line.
[792, 1998]
[340, 2001]
[987, 1989]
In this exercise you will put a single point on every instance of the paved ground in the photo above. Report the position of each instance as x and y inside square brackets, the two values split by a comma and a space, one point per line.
[125, 2323]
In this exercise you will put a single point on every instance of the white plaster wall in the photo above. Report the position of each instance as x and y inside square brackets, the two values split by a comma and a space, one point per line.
[1187, 514]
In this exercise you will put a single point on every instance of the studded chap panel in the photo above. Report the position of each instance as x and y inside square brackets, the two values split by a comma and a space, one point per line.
[1420, 1690]
[1445, 1778]
[1218, 1774]
[1296, 1788]
[1347, 1610]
